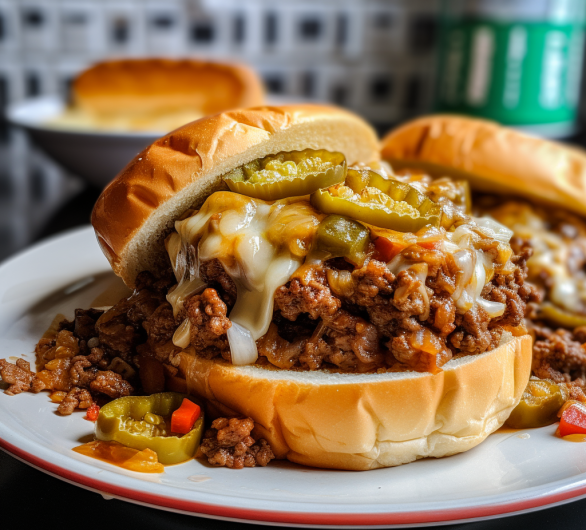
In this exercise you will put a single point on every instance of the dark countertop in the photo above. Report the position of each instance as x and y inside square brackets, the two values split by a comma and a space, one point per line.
[57, 502]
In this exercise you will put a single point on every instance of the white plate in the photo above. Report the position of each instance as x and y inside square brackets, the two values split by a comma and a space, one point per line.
[95, 156]
[508, 473]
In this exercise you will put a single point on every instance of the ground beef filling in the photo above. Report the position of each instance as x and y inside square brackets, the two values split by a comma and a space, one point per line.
[105, 355]
[366, 319]
[560, 355]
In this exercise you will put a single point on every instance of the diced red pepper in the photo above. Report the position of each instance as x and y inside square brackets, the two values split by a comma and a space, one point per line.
[431, 245]
[386, 250]
[573, 421]
[92, 412]
[183, 419]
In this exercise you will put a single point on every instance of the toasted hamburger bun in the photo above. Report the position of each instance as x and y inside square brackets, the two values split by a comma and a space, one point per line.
[493, 158]
[366, 421]
[181, 169]
[343, 421]
[143, 93]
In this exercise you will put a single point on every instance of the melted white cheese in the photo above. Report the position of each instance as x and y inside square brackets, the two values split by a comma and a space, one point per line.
[476, 268]
[259, 244]
[550, 254]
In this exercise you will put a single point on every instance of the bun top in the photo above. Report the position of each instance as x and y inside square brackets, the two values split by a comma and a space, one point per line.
[492, 157]
[137, 210]
[132, 86]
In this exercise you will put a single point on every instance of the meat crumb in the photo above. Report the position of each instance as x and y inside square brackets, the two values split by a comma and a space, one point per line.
[228, 443]
[18, 376]
[75, 398]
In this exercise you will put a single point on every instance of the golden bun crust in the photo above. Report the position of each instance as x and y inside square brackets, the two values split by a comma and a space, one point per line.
[134, 86]
[366, 421]
[137, 210]
[492, 157]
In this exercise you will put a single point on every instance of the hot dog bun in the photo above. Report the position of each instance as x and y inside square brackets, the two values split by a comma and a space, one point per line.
[366, 421]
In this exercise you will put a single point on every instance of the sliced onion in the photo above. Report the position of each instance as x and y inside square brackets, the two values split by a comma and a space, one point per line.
[465, 302]
[319, 331]
[465, 263]
[398, 264]
[461, 236]
[479, 275]
[103, 308]
[242, 345]
[421, 270]
[497, 230]
[182, 335]
[494, 309]
[450, 247]
[173, 245]
[183, 290]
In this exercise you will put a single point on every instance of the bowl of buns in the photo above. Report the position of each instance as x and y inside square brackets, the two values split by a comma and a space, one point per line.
[118, 107]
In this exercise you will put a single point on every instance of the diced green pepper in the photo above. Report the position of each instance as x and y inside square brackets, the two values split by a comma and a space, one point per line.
[288, 174]
[341, 237]
[539, 405]
[139, 422]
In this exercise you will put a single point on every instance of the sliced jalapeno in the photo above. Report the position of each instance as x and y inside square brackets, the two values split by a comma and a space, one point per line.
[368, 197]
[539, 405]
[341, 237]
[288, 174]
[140, 422]
[559, 317]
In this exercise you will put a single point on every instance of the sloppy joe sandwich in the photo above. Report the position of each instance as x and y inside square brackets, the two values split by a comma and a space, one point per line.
[536, 188]
[339, 313]
[359, 321]
[157, 94]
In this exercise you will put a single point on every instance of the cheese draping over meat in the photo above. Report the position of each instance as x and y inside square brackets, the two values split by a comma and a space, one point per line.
[259, 244]
[477, 249]
[552, 252]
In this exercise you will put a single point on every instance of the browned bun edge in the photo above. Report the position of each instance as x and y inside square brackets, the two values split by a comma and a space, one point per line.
[156, 84]
[137, 210]
[366, 421]
[492, 157]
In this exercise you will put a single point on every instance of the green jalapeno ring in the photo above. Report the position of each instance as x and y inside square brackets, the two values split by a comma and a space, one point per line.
[240, 179]
[429, 213]
[538, 406]
[110, 426]
[358, 179]
[560, 317]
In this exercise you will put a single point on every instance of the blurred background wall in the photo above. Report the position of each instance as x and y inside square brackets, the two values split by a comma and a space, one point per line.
[388, 60]
[373, 56]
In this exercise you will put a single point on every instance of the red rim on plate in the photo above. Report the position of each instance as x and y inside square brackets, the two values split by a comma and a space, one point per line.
[325, 519]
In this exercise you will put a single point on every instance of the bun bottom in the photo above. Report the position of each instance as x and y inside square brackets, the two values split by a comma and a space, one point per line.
[367, 421]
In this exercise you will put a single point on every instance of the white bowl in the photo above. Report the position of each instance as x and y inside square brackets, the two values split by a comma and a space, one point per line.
[95, 156]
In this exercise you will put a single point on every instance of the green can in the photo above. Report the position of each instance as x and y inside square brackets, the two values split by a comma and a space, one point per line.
[518, 62]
